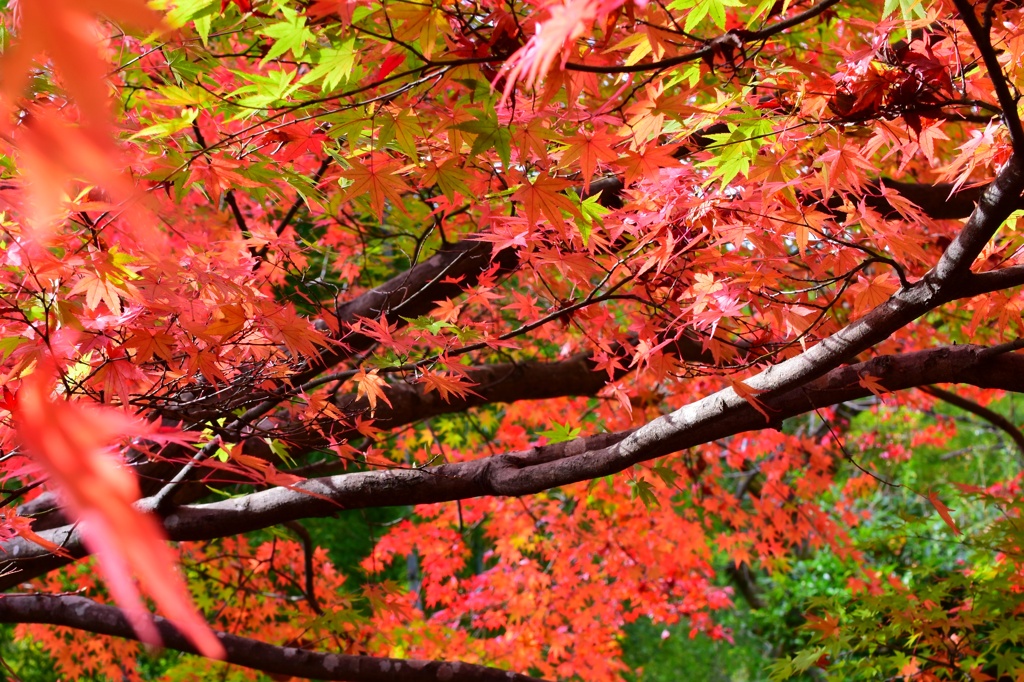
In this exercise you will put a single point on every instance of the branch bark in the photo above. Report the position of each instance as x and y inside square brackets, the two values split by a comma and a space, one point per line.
[84, 614]
[540, 468]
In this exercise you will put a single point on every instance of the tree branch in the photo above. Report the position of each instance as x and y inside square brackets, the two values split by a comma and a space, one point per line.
[541, 468]
[493, 383]
[995, 73]
[997, 202]
[712, 46]
[506, 382]
[415, 292]
[84, 614]
[994, 280]
[994, 418]
[722, 414]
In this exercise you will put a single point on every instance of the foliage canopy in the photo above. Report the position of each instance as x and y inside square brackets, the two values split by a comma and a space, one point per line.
[563, 310]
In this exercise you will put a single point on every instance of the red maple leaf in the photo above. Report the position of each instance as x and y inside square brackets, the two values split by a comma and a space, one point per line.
[73, 441]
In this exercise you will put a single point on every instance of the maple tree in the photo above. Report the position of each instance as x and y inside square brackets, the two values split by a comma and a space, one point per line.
[549, 280]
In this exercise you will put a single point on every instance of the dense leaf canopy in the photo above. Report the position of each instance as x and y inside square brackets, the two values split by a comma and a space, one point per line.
[562, 310]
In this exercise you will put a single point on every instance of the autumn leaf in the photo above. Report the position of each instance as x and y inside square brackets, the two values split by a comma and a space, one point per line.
[449, 177]
[544, 197]
[944, 512]
[446, 386]
[871, 383]
[218, 173]
[647, 161]
[74, 442]
[370, 385]
[590, 148]
[23, 527]
[55, 152]
[567, 20]
[244, 6]
[379, 179]
[66, 30]
[750, 395]
[297, 334]
[119, 377]
[872, 293]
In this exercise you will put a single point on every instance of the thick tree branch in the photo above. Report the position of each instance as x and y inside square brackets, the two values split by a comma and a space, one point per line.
[409, 403]
[506, 382]
[994, 280]
[944, 283]
[541, 468]
[999, 200]
[84, 614]
[518, 474]
[947, 281]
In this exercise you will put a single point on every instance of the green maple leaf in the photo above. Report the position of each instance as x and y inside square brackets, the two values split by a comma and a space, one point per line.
[643, 490]
[334, 65]
[290, 34]
[561, 433]
[489, 135]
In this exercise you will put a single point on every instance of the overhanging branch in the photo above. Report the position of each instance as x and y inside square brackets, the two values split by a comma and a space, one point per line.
[541, 468]
[84, 614]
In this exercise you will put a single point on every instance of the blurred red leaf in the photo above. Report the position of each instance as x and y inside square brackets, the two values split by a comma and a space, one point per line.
[944, 512]
[73, 441]
[67, 31]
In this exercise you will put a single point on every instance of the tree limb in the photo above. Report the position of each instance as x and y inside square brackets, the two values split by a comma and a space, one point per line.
[84, 614]
[712, 46]
[1007, 101]
[549, 466]
[994, 418]
[722, 414]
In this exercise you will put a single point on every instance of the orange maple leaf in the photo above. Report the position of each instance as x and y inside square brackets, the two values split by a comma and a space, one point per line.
[750, 395]
[23, 527]
[446, 386]
[873, 293]
[544, 197]
[379, 178]
[99, 286]
[217, 173]
[648, 161]
[871, 383]
[73, 442]
[590, 148]
[371, 385]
